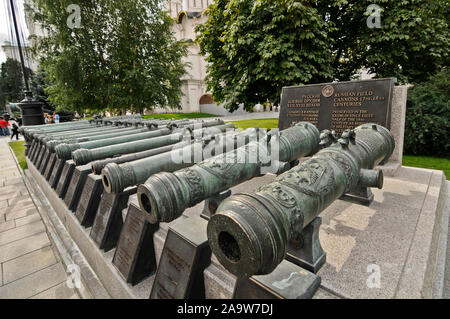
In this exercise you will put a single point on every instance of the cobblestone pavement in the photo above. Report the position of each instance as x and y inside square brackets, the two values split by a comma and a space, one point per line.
[30, 266]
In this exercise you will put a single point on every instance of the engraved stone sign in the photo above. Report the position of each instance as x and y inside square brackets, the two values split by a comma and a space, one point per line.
[76, 184]
[135, 254]
[56, 172]
[108, 221]
[287, 281]
[90, 200]
[338, 106]
[185, 256]
[50, 166]
[64, 180]
[43, 161]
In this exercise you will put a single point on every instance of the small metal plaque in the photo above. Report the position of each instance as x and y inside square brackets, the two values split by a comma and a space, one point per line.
[338, 106]
[31, 150]
[185, 256]
[135, 254]
[50, 166]
[287, 281]
[76, 184]
[108, 221]
[35, 150]
[90, 200]
[44, 157]
[56, 173]
[45, 162]
[64, 180]
[38, 154]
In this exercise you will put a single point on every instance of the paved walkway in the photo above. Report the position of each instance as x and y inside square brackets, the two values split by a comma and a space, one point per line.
[251, 116]
[30, 266]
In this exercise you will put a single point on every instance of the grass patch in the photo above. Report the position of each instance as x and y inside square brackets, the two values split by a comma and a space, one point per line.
[19, 150]
[169, 116]
[439, 163]
[261, 123]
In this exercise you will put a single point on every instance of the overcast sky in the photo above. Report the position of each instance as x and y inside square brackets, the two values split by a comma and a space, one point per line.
[4, 27]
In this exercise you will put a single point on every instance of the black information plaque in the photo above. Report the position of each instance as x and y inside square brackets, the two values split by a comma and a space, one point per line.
[31, 150]
[135, 253]
[35, 150]
[287, 281]
[90, 200]
[108, 221]
[43, 159]
[338, 106]
[45, 162]
[56, 172]
[64, 180]
[76, 185]
[38, 154]
[50, 166]
[185, 256]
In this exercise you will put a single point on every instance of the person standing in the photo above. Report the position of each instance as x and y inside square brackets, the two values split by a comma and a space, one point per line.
[1, 126]
[14, 128]
[19, 120]
[4, 126]
[56, 115]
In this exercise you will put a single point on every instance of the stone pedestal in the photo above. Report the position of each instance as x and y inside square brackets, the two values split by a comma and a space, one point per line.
[398, 117]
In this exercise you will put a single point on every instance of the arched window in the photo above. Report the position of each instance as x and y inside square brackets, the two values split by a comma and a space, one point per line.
[206, 99]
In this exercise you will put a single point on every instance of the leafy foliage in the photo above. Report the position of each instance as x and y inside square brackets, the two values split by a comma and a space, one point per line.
[428, 117]
[123, 55]
[11, 82]
[255, 47]
[38, 84]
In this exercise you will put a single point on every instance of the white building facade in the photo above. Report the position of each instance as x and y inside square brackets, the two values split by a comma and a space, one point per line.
[188, 14]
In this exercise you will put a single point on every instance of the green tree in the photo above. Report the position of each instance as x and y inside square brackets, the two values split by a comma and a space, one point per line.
[255, 47]
[37, 86]
[11, 82]
[428, 117]
[121, 55]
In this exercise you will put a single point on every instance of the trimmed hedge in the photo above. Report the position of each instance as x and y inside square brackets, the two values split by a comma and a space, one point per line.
[428, 117]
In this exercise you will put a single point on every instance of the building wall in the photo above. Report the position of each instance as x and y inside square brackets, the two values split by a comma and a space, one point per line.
[188, 14]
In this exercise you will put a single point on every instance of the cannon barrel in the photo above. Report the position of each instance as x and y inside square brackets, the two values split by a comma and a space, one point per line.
[98, 165]
[83, 156]
[164, 196]
[51, 144]
[44, 138]
[64, 151]
[95, 130]
[250, 232]
[31, 132]
[117, 177]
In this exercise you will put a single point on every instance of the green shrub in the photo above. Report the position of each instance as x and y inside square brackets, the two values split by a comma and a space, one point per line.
[428, 117]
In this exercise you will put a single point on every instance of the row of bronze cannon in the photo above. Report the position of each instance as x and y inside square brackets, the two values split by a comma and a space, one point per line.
[249, 233]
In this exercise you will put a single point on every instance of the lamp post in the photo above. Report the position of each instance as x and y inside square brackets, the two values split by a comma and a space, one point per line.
[31, 110]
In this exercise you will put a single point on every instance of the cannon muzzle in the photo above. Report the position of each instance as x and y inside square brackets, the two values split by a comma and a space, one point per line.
[250, 232]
